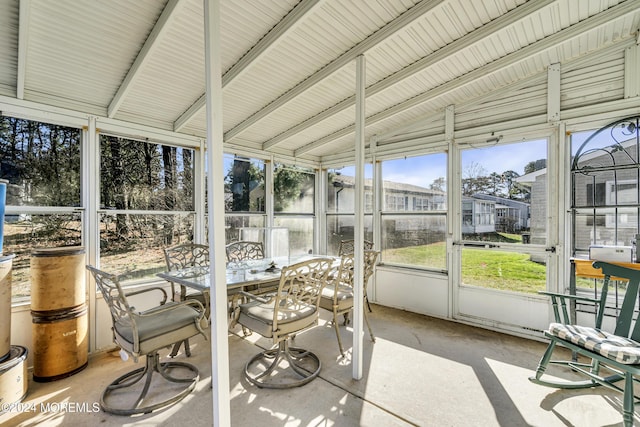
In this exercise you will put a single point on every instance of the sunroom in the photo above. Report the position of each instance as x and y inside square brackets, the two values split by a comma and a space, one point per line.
[451, 135]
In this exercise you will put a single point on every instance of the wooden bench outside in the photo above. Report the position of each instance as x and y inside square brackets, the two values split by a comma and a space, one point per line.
[618, 352]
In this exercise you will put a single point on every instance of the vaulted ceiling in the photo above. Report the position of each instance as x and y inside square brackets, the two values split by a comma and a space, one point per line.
[288, 65]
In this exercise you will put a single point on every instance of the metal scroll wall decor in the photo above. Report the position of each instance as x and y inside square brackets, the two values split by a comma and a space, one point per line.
[605, 195]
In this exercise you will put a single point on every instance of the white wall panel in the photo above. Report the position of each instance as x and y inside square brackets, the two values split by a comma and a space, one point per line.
[505, 106]
[415, 291]
[599, 81]
[519, 313]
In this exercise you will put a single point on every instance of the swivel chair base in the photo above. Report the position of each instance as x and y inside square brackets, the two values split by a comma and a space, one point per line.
[303, 366]
[122, 386]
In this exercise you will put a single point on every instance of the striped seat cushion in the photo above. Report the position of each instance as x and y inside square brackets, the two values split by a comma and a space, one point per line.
[623, 350]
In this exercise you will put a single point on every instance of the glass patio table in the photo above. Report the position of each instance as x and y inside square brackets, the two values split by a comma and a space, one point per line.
[245, 275]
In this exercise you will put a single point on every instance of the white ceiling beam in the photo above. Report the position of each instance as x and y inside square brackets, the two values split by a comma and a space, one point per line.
[469, 39]
[23, 38]
[282, 28]
[346, 58]
[189, 114]
[521, 54]
[159, 30]
[414, 126]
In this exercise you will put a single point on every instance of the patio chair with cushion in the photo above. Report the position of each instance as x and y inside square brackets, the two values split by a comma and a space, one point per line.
[280, 316]
[180, 257]
[243, 250]
[144, 333]
[338, 295]
[346, 248]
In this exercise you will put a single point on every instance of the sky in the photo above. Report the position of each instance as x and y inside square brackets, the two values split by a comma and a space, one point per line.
[423, 170]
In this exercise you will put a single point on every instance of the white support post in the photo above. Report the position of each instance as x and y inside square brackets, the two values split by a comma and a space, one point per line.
[269, 194]
[632, 71]
[199, 162]
[321, 199]
[453, 202]
[218, 295]
[91, 226]
[376, 220]
[553, 93]
[358, 232]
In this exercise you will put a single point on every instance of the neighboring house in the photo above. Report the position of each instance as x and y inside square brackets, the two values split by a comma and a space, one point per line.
[512, 216]
[481, 213]
[478, 216]
[604, 202]
[605, 192]
[537, 183]
[398, 197]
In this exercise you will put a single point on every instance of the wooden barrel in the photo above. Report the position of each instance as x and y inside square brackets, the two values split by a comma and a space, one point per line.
[60, 340]
[13, 376]
[5, 306]
[59, 312]
[57, 278]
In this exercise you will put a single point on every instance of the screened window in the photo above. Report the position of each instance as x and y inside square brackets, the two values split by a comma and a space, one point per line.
[504, 195]
[244, 187]
[504, 213]
[244, 194]
[341, 205]
[146, 204]
[294, 205]
[41, 162]
[414, 215]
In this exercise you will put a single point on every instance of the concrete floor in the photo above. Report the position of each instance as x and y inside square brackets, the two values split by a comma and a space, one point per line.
[421, 371]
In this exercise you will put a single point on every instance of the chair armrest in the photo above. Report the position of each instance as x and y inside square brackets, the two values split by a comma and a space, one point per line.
[155, 288]
[570, 297]
[562, 299]
[256, 297]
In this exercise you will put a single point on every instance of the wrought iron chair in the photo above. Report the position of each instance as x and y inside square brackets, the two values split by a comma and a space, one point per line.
[292, 309]
[144, 334]
[184, 256]
[338, 296]
[237, 252]
[244, 250]
[347, 247]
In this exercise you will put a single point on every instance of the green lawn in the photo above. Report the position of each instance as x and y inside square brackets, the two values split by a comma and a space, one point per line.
[434, 256]
[507, 271]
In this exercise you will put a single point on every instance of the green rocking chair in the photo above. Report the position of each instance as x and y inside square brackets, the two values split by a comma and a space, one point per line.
[617, 352]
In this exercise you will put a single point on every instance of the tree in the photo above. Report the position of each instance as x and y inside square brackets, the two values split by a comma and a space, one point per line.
[475, 180]
[289, 184]
[535, 165]
[497, 184]
[243, 181]
[439, 184]
[509, 178]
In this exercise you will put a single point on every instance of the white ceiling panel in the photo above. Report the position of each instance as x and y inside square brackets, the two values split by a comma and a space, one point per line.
[288, 65]
[9, 47]
[81, 50]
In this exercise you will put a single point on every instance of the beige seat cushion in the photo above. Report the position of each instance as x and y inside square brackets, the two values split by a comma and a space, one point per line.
[258, 317]
[157, 330]
[345, 297]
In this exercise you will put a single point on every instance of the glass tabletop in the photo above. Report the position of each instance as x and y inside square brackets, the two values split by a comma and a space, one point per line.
[238, 275]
